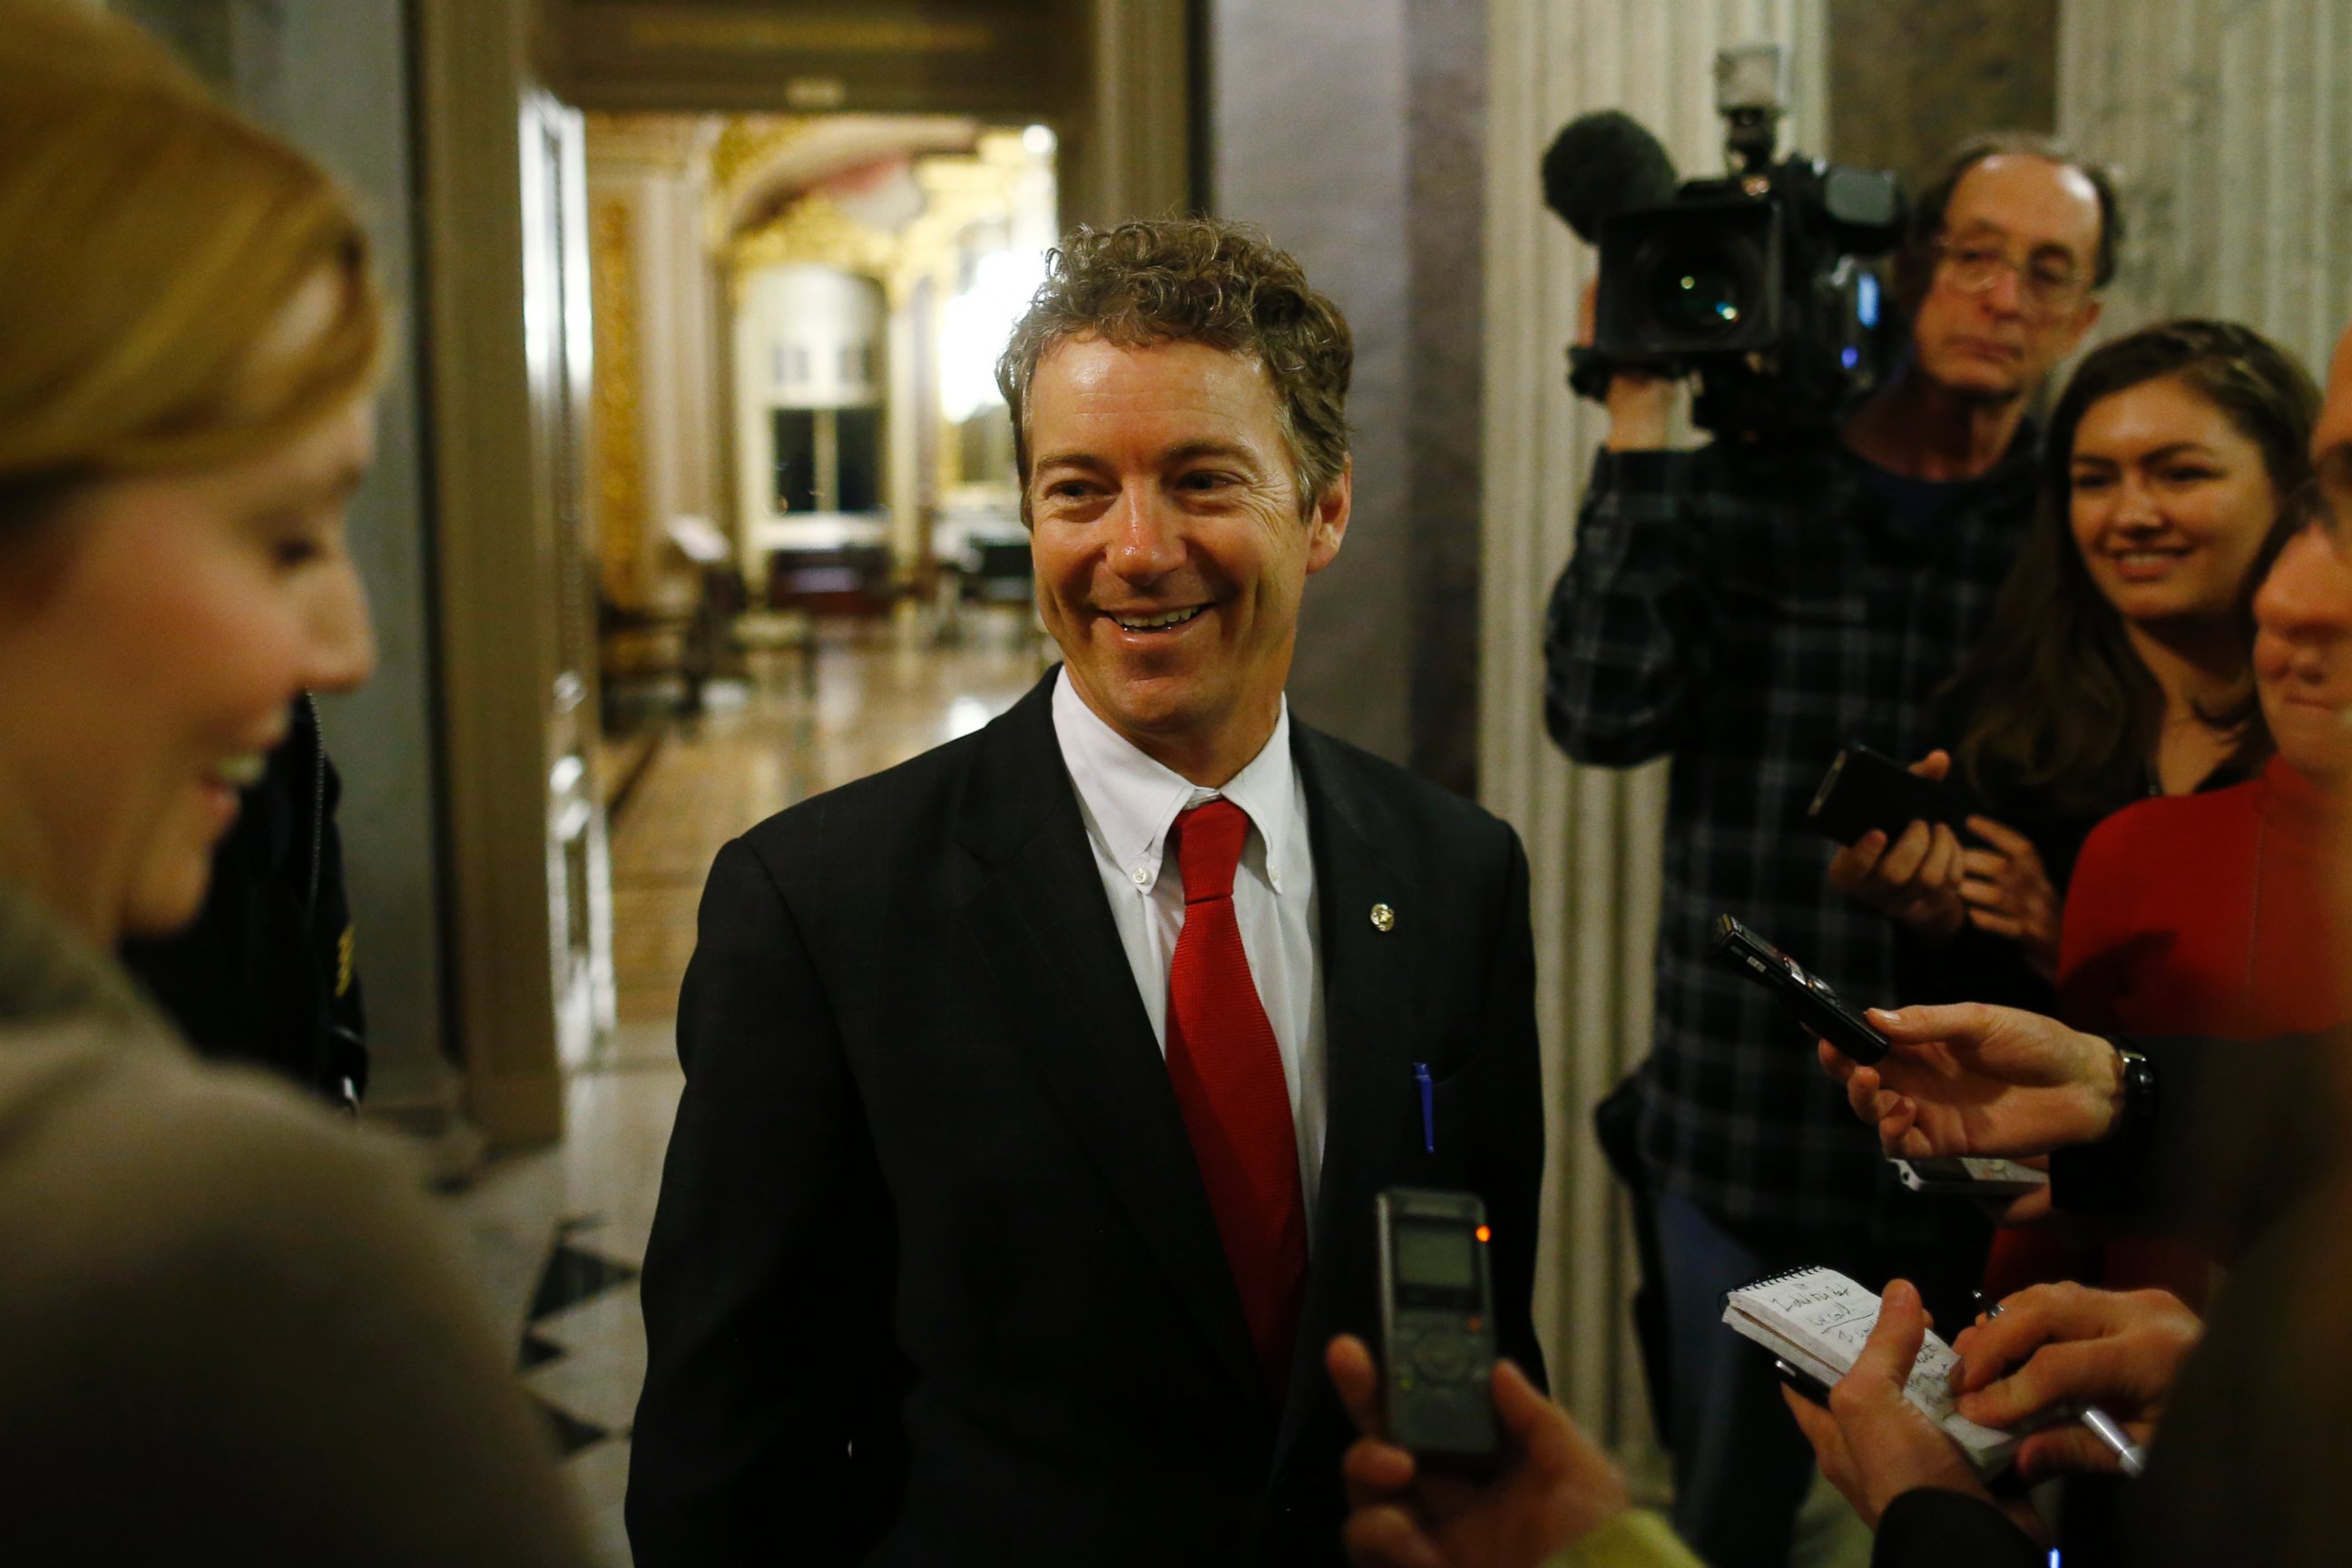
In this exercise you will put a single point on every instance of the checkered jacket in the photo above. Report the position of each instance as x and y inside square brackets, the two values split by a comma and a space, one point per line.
[1751, 625]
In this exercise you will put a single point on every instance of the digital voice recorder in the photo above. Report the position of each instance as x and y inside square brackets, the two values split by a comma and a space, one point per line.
[1806, 996]
[1437, 1327]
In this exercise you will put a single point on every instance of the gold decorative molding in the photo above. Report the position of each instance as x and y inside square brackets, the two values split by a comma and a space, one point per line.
[749, 143]
[618, 403]
[814, 231]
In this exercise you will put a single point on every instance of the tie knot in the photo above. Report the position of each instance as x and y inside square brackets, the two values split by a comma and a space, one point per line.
[1208, 843]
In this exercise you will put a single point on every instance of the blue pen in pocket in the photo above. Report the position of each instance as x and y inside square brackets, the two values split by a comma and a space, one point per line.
[1428, 1108]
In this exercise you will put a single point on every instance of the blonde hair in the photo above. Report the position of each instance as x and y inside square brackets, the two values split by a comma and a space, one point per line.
[152, 239]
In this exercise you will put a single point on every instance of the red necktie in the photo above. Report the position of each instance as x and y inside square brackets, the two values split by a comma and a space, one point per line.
[1227, 1074]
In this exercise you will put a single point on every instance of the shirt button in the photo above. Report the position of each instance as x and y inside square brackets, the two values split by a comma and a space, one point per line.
[1142, 875]
[1275, 878]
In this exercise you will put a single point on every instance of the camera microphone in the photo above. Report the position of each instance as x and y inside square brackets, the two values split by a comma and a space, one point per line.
[1601, 164]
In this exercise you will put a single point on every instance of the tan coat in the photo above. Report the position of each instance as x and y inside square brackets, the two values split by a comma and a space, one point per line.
[230, 1328]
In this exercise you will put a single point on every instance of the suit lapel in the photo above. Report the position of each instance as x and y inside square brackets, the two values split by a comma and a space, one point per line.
[1043, 925]
[1370, 980]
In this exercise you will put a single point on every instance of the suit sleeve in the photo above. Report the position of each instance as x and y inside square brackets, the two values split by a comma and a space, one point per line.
[767, 1425]
[1510, 1119]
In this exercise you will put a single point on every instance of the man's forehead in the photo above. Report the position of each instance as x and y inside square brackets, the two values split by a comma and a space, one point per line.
[1091, 378]
[2039, 200]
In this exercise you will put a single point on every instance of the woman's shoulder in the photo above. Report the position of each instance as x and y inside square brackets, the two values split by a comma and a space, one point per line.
[2168, 816]
[120, 1151]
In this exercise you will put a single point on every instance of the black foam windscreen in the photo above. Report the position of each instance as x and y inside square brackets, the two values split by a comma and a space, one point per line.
[1601, 164]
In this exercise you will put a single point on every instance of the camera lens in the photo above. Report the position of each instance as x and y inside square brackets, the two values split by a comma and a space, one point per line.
[1698, 289]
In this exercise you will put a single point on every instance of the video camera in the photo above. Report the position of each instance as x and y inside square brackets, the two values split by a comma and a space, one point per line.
[1754, 282]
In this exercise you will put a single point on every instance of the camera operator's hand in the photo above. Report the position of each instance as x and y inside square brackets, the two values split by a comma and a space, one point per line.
[1555, 1485]
[1641, 406]
[2010, 894]
[1969, 1079]
[2059, 1347]
[1874, 1444]
[1915, 877]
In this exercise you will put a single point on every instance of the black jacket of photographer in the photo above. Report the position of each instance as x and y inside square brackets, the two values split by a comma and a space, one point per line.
[265, 974]
[1750, 619]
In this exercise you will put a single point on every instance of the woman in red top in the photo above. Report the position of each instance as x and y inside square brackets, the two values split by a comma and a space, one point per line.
[2211, 914]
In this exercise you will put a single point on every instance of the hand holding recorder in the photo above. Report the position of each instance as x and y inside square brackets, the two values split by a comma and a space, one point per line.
[1973, 1079]
[1555, 1485]
[1904, 856]
[1901, 831]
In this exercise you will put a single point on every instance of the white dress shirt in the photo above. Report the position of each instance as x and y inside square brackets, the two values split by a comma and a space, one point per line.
[1129, 802]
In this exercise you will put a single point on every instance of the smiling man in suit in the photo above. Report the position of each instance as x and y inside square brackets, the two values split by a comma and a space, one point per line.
[1038, 1089]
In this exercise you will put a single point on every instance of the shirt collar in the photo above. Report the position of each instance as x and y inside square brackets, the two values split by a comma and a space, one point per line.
[1131, 800]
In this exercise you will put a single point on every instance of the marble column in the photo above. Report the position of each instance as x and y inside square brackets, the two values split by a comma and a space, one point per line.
[1910, 79]
[2230, 124]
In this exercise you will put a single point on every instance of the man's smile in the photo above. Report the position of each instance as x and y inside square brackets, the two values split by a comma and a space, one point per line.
[1155, 620]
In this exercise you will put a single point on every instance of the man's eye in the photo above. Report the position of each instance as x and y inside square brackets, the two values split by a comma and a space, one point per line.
[2056, 279]
[1978, 255]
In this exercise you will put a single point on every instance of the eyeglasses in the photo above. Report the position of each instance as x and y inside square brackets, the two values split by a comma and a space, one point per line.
[2045, 290]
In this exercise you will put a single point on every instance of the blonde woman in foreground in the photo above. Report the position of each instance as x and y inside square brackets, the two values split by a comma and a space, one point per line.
[230, 1330]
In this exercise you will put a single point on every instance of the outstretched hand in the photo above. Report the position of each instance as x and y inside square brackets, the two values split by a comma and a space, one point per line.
[1555, 1488]
[2055, 1348]
[1970, 1079]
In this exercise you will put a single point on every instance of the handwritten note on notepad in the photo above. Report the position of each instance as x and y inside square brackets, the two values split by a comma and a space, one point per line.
[1817, 1318]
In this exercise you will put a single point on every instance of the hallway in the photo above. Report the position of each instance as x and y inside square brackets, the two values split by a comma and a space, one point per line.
[556, 1236]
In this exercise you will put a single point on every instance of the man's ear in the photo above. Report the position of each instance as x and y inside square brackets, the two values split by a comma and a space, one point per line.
[1327, 523]
[2085, 320]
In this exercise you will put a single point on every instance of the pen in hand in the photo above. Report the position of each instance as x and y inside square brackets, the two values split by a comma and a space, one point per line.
[2129, 1456]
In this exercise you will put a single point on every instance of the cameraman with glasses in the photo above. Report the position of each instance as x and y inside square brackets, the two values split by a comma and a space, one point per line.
[1749, 612]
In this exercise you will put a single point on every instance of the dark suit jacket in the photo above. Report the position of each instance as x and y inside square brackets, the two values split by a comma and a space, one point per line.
[934, 1279]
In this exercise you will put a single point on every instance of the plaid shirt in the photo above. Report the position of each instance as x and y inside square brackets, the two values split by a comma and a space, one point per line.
[1751, 626]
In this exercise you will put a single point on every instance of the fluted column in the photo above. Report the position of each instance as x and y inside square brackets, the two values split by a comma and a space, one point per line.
[1593, 835]
[2230, 124]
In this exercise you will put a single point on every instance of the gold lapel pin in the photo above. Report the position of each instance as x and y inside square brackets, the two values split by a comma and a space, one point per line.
[1383, 918]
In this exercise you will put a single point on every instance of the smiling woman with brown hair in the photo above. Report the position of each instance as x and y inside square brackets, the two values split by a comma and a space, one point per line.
[2116, 664]
[230, 1331]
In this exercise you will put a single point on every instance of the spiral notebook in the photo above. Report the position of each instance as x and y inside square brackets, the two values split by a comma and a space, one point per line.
[1816, 1318]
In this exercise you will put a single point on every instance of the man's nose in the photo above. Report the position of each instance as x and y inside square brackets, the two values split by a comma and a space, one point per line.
[2006, 297]
[341, 652]
[1147, 539]
[2302, 601]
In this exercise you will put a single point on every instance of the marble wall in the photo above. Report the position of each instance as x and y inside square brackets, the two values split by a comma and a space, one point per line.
[1351, 132]
[1909, 79]
[1308, 132]
[2231, 128]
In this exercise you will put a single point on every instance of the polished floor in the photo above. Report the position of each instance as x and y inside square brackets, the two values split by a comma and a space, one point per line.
[557, 1236]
